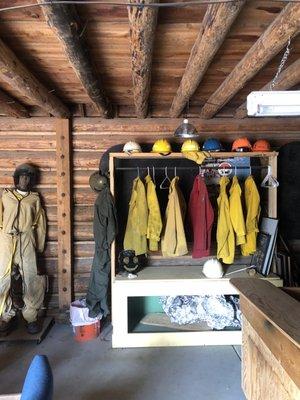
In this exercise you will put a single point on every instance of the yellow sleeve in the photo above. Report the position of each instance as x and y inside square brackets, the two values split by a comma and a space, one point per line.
[40, 227]
[154, 217]
[237, 217]
[142, 208]
[253, 210]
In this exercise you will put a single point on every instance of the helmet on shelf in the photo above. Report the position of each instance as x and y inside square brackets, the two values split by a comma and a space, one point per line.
[98, 182]
[189, 145]
[162, 146]
[241, 144]
[261, 145]
[132, 147]
[212, 144]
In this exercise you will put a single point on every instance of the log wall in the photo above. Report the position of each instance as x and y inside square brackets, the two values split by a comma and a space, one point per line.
[34, 140]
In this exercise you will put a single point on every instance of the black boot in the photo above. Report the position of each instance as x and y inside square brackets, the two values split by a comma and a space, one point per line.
[7, 326]
[34, 327]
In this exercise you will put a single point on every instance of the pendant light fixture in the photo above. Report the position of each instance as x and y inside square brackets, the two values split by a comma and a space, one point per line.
[186, 130]
[275, 103]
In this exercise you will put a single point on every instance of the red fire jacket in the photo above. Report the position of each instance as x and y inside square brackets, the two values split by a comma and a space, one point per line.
[201, 216]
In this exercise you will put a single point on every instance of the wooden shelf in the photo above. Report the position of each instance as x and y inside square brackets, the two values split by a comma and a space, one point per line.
[192, 272]
[185, 278]
[216, 154]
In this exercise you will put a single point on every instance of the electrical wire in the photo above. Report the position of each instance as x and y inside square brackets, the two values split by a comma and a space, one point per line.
[140, 5]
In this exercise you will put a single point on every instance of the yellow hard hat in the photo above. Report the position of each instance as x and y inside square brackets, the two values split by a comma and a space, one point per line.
[162, 146]
[189, 145]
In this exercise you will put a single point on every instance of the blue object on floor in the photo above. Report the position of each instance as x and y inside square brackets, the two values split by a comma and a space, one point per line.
[38, 383]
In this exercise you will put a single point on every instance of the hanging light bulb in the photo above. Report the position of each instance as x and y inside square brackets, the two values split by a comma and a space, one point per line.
[186, 130]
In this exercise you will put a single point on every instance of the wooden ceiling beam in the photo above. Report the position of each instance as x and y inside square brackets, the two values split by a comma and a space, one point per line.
[285, 25]
[286, 80]
[142, 23]
[65, 23]
[216, 23]
[12, 107]
[19, 78]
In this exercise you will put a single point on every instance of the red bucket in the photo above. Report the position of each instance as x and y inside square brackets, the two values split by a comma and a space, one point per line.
[85, 333]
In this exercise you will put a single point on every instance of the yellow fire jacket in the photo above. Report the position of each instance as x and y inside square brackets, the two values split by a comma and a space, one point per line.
[174, 242]
[252, 200]
[154, 217]
[225, 233]
[236, 211]
[136, 229]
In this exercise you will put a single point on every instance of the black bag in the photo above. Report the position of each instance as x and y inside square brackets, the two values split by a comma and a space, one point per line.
[16, 288]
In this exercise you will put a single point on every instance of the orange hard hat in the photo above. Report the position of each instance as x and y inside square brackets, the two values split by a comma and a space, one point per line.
[261, 145]
[241, 144]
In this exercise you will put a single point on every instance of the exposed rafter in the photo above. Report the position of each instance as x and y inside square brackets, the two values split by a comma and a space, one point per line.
[286, 80]
[285, 25]
[142, 31]
[65, 23]
[12, 107]
[18, 77]
[215, 26]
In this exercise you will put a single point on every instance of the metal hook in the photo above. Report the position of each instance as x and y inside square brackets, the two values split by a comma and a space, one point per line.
[235, 170]
[270, 181]
[138, 171]
[153, 174]
[148, 170]
[166, 179]
[175, 171]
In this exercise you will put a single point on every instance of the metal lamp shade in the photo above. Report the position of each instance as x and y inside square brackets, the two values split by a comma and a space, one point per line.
[186, 130]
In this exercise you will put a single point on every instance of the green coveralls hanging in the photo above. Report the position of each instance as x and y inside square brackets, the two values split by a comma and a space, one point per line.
[105, 229]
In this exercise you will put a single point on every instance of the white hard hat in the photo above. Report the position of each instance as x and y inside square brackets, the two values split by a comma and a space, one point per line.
[212, 268]
[132, 147]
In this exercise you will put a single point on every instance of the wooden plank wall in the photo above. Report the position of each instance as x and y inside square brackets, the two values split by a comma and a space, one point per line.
[33, 140]
[92, 136]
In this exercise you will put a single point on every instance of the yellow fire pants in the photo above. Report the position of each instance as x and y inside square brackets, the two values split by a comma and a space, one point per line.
[20, 250]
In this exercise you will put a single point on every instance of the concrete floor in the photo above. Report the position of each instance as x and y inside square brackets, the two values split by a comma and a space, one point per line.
[94, 371]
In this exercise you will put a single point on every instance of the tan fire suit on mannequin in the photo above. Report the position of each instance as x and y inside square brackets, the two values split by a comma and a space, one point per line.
[22, 233]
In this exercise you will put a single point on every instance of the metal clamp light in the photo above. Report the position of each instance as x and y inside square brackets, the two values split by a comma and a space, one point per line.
[186, 130]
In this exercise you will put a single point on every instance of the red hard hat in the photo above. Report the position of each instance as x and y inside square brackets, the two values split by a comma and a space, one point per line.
[241, 143]
[261, 145]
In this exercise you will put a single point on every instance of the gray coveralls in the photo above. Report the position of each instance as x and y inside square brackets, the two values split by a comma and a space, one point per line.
[22, 234]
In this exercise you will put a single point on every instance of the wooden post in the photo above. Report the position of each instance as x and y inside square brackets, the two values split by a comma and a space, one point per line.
[142, 31]
[272, 192]
[64, 211]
